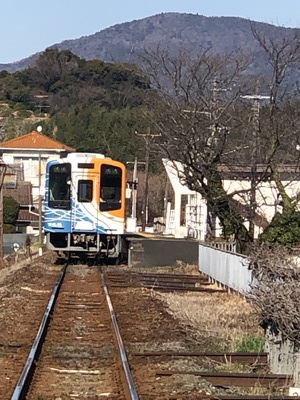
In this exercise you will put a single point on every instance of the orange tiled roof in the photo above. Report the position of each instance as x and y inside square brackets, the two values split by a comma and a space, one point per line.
[35, 140]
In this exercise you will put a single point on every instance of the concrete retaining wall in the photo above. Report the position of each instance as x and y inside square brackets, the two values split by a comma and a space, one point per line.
[145, 252]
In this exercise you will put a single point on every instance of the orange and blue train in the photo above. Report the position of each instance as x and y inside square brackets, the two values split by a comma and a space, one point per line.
[84, 210]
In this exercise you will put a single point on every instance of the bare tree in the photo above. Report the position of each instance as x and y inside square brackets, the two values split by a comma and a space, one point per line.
[199, 115]
[205, 125]
[280, 129]
[275, 291]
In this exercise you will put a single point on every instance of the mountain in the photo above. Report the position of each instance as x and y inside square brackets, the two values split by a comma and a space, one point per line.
[123, 42]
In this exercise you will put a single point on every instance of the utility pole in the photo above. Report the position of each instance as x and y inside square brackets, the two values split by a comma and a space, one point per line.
[3, 168]
[134, 189]
[40, 207]
[145, 208]
[39, 129]
[133, 185]
[256, 98]
[146, 199]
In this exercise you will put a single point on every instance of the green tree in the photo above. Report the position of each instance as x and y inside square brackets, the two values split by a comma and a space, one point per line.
[10, 213]
[53, 65]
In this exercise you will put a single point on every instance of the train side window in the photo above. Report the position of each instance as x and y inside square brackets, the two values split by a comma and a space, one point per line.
[85, 191]
[110, 188]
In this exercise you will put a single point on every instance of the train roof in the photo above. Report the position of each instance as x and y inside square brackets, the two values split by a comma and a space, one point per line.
[82, 158]
[85, 155]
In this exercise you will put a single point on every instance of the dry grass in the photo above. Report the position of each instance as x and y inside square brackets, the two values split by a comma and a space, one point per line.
[225, 318]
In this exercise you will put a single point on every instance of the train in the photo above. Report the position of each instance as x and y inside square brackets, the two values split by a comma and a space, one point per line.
[85, 207]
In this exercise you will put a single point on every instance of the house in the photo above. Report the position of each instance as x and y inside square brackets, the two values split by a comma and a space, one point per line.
[189, 216]
[26, 158]
[14, 186]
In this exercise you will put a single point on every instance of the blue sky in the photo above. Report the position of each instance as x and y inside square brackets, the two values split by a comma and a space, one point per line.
[27, 27]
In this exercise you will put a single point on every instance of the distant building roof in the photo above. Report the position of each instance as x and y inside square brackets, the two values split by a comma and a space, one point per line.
[35, 140]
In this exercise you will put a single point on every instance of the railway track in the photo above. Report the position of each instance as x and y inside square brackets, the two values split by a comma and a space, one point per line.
[84, 357]
[161, 282]
[153, 350]
[80, 352]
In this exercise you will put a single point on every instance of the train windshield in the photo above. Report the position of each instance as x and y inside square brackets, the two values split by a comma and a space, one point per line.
[110, 188]
[60, 186]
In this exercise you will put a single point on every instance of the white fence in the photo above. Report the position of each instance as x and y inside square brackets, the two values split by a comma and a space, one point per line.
[226, 268]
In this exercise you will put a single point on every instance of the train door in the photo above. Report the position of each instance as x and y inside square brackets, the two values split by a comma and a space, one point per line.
[85, 214]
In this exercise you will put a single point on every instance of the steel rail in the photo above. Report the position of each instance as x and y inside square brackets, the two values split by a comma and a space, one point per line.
[235, 379]
[246, 358]
[125, 363]
[145, 275]
[166, 288]
[233, 397]
[147, 278]
[26, 375]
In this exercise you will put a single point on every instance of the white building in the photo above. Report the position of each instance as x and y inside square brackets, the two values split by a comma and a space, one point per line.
[188, 217]
[29, 154]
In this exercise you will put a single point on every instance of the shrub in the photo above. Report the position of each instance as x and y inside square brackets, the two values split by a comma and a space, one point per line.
[251, 344]
[7, 228]
[10, 210]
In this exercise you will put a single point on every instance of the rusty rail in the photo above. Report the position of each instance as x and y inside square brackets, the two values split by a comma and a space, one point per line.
[236, 379]
[246, 358]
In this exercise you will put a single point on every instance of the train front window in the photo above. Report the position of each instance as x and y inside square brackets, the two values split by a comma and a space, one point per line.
[85, 191]
[110, 188]
[60, 186]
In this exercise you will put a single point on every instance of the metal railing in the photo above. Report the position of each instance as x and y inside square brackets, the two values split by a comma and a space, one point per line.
[226, 268]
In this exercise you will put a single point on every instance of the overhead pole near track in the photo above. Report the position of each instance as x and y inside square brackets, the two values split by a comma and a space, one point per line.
[145, 208]
[3, 168]
[134, 184]
[39, 129]
[255, 99]
[134, 189]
